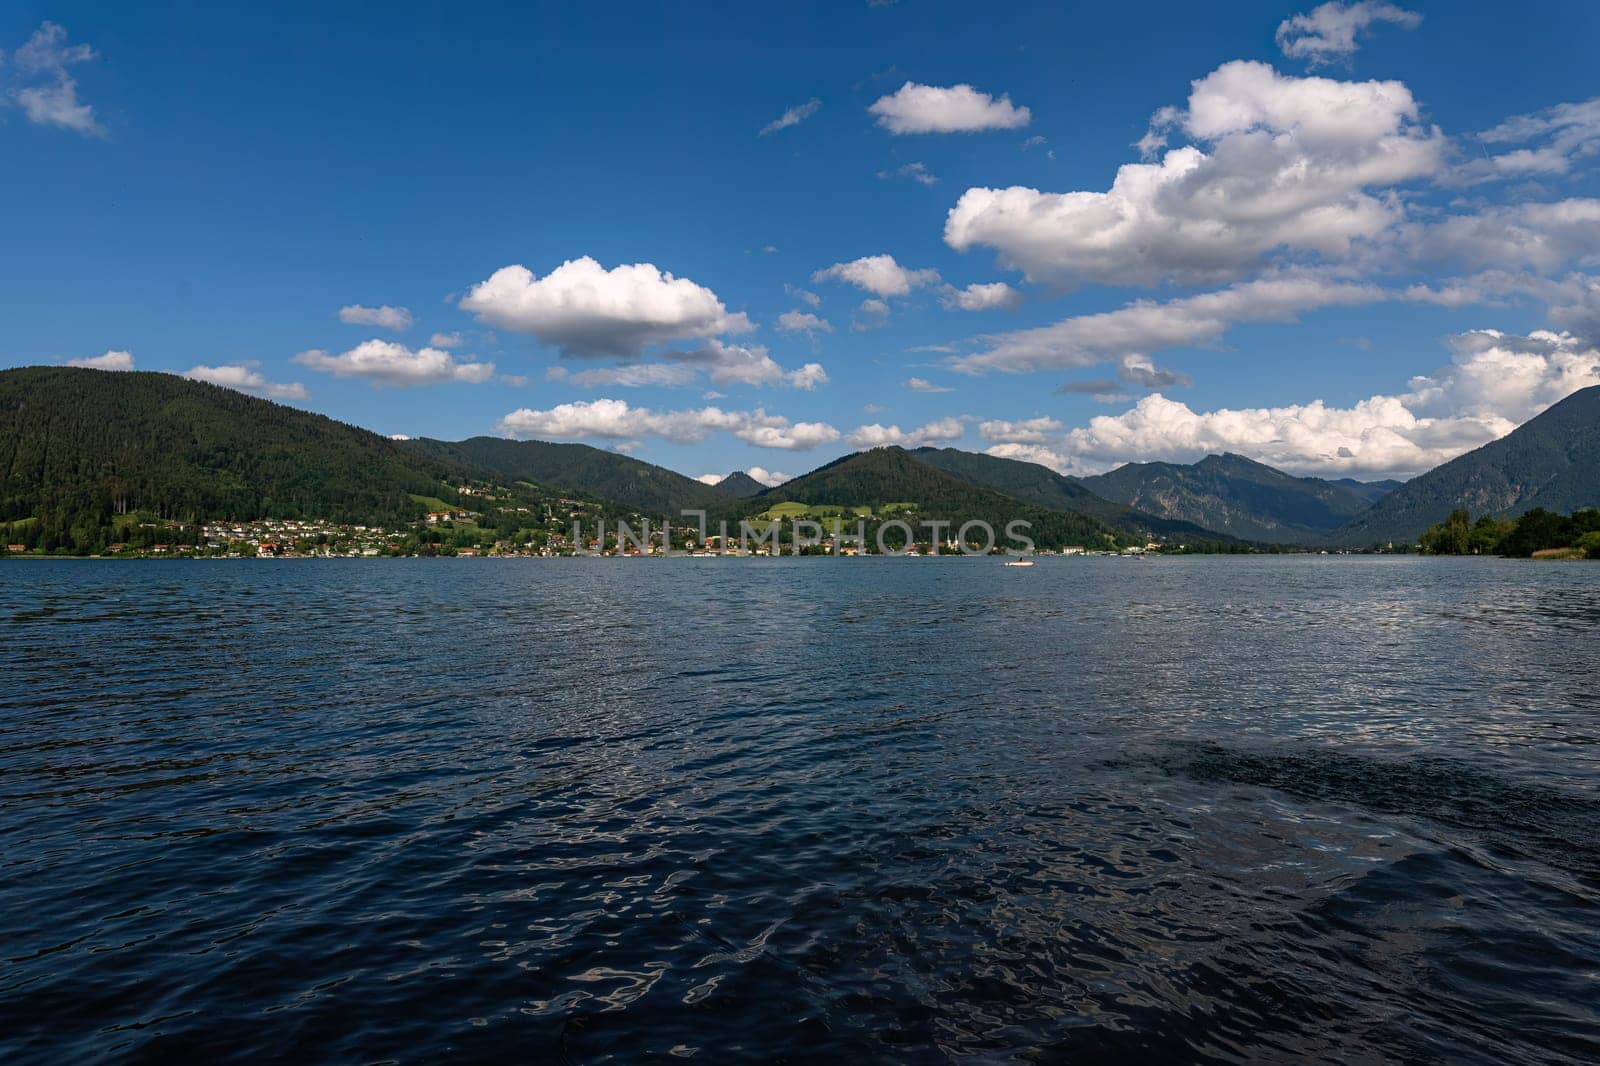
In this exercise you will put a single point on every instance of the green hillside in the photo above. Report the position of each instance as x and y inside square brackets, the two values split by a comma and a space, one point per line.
[79, 447]
[891, 481]
[629, 482]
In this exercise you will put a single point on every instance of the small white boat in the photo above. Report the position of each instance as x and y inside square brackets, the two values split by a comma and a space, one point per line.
[1020, 562]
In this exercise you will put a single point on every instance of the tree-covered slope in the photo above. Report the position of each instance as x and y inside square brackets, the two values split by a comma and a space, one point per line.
[1043, 487]
[740, 485]
[588, 471]
[892, 475]
[79, 446]
[1234, 495]
[1550, 461]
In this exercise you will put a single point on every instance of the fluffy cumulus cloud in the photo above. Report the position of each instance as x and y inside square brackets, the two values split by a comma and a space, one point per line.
[1041, 430]
[1495, 382]
[792, 117]
[1329, 31]
[957, 109]
[385, 317]
[113, 359]
[616, 420]
[445, 340]
[586, 310]
[992, 296]
[1148, 325]
[879, 275]
[803, 322]
[1305, 165]
[924, 385]
[389, 363]
[941, 431]
[43, 85]
[245, 378]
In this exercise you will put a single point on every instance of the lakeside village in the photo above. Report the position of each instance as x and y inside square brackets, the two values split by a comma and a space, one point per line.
[458, 533]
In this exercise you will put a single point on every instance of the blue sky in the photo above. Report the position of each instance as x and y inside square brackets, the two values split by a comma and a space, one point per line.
[1357, 239]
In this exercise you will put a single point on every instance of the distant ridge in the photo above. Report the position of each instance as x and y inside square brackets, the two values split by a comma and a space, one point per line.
[1550, 461]
[1039, 485]
[579, 467]
[1237, 496]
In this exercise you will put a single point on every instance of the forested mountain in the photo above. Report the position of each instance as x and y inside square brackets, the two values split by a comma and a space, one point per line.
[78, 447]
[1237, 496]
[1369, 491]
[1551, 461]
[585, 470]
[887, 476]
[1043, 487]
[740, 485]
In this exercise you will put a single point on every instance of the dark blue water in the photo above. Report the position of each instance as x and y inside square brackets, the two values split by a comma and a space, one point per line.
[1296, 809]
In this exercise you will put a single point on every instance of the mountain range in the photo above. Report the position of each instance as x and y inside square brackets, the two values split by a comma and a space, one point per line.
[79, 447]
[1550, 461]
[1238, 496]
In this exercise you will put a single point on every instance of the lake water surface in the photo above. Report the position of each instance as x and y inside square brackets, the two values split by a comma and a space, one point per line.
[1213, 809]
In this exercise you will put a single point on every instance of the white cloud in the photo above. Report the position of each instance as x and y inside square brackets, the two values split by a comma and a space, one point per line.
[1495, 382]
[385, 317]
[792, 117]
[917, 172]
[243, 378]
[942, 431]
[924, 385]
[734, 364]
[872, 314]
[113, 359]
[805, 296]
[390, 363]
[878, 274]
[769, 478]
[958, 109]
[1329, 31]
[1303, 164]
[616, 420]
[445, 340]
[1146, 325]
[995, 295]
[586, 310]
[46, 91]
[803, 322]
[634, 375]
[1571, 132]
[1039, 430]
[1539, 236]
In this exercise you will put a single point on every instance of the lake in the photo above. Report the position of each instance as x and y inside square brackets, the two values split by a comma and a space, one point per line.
[1210, 809]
